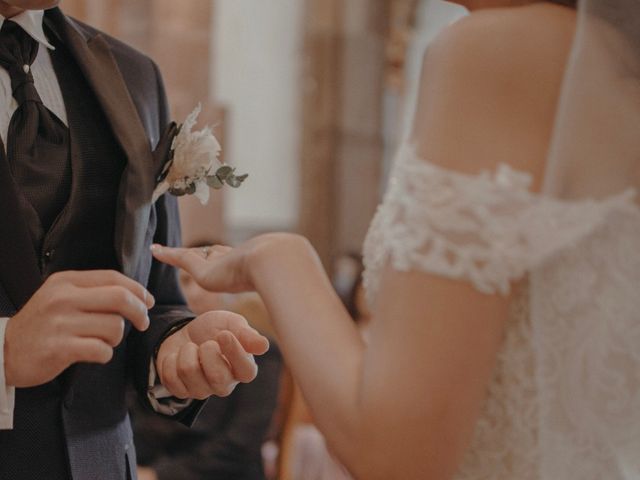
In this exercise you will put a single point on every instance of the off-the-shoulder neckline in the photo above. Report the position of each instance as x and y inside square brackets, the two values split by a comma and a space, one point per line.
[508, 177]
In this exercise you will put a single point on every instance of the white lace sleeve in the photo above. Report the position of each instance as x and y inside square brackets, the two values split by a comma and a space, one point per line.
[488, 229]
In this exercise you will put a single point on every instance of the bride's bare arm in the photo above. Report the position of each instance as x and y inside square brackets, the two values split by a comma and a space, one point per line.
[401, 407]
[405, 405]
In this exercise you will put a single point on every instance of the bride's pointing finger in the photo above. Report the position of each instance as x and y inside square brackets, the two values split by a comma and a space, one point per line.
[212, 267]
[188, 259]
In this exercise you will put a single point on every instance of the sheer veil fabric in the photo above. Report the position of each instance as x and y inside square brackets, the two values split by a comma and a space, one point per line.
[564, 402]
[585, 300]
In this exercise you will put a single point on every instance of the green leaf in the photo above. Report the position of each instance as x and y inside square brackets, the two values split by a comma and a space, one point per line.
[214, 182]
[234, 181]
[224, 172]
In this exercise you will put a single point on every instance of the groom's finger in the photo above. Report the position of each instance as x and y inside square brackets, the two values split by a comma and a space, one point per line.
[243, 365]
[216, 369]
[249, 338]
[191, 374]
[114, 300]
[170, 378]
[107, 278]
[209, 325]
[253, 342]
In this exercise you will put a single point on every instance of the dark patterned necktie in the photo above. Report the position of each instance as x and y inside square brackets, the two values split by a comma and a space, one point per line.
[37, 141]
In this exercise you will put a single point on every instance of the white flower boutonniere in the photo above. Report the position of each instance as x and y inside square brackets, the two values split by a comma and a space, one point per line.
[191, 164]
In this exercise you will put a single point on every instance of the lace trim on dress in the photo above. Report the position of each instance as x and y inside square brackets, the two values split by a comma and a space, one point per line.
[489, 228]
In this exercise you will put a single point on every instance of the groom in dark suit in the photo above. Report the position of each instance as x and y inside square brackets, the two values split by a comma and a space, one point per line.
[80, 114]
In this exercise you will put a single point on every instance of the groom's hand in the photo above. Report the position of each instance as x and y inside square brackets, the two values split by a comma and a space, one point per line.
[74, 317]
[210, 356]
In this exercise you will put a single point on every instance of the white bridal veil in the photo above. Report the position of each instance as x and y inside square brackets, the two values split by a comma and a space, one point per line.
[585, 300]
[596, 149]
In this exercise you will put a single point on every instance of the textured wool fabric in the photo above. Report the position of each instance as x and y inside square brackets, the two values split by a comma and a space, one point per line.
[77, 425]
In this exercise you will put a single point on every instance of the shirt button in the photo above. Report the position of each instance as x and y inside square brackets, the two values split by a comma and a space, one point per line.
[48, 255]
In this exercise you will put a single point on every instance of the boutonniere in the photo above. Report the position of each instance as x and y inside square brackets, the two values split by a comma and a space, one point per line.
[191, 163]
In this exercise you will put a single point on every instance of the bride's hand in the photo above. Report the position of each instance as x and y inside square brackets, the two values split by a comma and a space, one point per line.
[232, 270]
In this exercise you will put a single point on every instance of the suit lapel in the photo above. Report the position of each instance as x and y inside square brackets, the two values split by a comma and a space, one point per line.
[95, 59]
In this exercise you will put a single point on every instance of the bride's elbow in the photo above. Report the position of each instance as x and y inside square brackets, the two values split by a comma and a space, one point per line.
[384, 468]
[369, 465]
[392, 458]
[371, 469]
[390, 446]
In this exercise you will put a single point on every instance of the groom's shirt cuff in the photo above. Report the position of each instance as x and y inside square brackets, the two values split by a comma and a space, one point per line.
[7, 393]
[159, 397]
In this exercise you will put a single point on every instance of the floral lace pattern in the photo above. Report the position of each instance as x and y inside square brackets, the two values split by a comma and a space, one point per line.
[587, 340]
[564, 401]
[488, 229]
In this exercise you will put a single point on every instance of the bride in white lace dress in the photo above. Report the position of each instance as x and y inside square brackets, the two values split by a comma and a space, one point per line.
[505, 343]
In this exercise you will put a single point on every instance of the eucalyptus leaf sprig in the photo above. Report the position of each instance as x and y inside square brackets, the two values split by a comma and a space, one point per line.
[226, 174]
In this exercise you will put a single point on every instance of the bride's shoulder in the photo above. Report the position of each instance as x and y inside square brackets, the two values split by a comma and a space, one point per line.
[490, 86]
[494, 42]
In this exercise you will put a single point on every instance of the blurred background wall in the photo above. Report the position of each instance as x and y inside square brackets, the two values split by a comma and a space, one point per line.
[307, 96]
[257, 63]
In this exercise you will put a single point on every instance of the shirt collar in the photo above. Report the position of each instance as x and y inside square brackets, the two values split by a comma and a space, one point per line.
[32, 22]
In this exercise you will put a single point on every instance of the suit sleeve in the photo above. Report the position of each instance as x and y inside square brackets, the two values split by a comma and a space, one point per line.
[170, 312]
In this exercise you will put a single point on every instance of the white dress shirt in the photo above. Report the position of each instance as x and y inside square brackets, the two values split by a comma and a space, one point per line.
[48, 88]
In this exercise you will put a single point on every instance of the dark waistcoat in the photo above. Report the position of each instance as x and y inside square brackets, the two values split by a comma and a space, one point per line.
[46, 432]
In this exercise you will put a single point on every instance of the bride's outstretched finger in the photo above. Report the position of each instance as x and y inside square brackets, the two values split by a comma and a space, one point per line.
[188, 259]
[214, 268]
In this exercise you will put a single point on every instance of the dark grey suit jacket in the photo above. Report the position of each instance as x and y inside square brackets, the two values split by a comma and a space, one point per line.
[87, 403]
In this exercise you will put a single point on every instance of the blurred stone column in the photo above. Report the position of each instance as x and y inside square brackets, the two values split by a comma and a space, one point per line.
[361, 146]
[342, 146]
[321, 95]
[92, 12]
